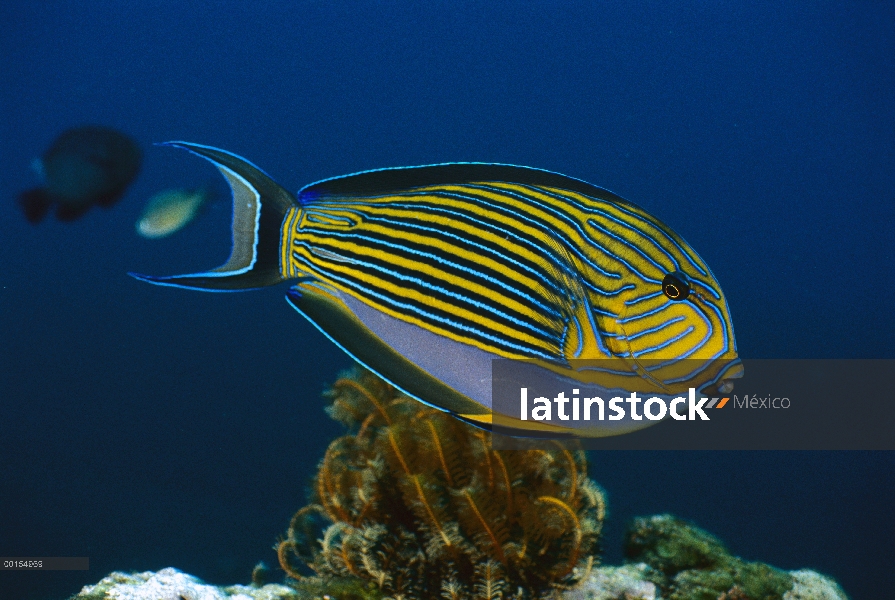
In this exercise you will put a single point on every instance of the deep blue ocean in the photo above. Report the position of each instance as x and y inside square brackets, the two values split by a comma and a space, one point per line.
[147, 427]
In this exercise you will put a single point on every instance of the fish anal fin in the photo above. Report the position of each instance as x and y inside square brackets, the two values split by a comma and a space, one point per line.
[320, 303]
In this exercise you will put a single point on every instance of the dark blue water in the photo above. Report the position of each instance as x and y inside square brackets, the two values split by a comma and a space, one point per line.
[148, 427]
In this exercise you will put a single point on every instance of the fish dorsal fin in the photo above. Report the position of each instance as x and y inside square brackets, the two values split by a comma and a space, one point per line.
[383, 181]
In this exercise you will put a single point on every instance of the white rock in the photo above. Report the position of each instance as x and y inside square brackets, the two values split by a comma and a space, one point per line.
[171, 584]
[615, 583]
[810, 585]
[627, 582]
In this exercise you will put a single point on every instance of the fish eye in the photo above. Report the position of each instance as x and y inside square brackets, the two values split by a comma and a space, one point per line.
[676, 286]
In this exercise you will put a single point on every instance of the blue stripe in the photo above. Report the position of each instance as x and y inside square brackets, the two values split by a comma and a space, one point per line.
[188, 146]
[711, 331]
[575, 202]
[461, 241]
[671, 239]
[656, 328]
[642, 298]
[589, 310]
[643, 234]
[408, 309]
[573, 224]
[534, 248]
[665, 343]
[438, 259]
[627, 244]
[437, 290]
[316, 216]
[646, 314]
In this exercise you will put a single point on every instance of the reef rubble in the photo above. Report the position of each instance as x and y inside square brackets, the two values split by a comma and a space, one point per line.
[171, 584]
[626, 582]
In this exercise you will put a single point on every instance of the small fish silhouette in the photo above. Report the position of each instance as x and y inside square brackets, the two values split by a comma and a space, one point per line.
[85, 166]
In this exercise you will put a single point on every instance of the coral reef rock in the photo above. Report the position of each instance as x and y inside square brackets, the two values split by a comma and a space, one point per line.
[417, 504]
[687, 563]
[171, 584]
[628, 582]
[808, 585]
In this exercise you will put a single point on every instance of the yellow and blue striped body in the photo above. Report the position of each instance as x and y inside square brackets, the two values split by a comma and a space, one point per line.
[426, 274]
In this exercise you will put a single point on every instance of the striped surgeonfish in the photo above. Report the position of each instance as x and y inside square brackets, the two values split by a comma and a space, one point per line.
[426, 274]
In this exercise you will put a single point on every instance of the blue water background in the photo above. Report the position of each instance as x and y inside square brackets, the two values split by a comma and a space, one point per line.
[148, 427]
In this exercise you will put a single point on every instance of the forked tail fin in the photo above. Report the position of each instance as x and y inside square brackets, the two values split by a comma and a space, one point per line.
[259, 206]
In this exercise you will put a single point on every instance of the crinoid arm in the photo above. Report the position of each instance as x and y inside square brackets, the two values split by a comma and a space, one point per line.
[420, 505]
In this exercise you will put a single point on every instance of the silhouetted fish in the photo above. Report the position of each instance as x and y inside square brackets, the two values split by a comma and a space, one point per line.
[84, 166]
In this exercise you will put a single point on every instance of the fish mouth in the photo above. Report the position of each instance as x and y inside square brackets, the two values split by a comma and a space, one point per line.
[724, 383]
